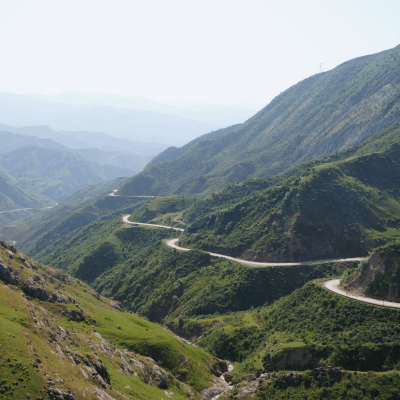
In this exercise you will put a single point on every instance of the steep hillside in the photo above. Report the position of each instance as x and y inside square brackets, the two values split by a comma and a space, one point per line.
[13, 197]
[45, 231]
[61, 340]
[379, 277]
[134, 266]
[25, 202]
[325, 113]
[55, 173]
[332, 209]
[173, 152]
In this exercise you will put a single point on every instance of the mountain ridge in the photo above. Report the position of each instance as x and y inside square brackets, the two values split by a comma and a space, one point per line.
[320, 115]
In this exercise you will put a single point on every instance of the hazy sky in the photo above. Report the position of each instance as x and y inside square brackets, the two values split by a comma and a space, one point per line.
[216, 51]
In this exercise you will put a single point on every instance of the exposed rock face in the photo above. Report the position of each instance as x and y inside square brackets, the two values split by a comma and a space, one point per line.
[9, 275]
[58, 394]
[159, 377]
[379, 277]
[116, 305]
[60, 298]
[75, 315]
[299, 359]
[217, 388]
[31, 288]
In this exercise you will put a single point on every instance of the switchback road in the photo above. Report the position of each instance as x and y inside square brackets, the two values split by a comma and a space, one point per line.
[173, 243]
[334, 286]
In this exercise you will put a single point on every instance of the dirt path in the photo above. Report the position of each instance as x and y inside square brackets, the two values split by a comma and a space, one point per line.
[173, 244]
[334, 286]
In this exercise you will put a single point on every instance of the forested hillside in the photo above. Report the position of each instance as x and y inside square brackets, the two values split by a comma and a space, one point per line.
[320, 115]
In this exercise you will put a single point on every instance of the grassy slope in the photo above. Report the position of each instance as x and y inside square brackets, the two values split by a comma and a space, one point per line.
[320, 115]
[328, 209]
[28, 325]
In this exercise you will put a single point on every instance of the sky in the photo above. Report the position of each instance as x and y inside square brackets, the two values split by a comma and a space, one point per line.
[185, 51]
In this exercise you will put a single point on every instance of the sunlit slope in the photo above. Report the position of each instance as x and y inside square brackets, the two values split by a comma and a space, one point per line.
[57, 334]
[327, 210]
[325, 113]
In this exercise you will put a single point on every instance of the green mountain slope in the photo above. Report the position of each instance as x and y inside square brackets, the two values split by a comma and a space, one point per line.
[330, 209]
[323, 114]
[45, 231]
[55, 173]
[173, 152]
[59, 339]
[13, 197]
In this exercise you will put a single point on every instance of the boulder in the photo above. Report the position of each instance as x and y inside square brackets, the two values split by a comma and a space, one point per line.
[58, 394]
[158, 375]
[31, 288]
[7, 274]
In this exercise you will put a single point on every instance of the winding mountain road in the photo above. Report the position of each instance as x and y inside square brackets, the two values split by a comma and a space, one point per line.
[334, 286]
[173, 244]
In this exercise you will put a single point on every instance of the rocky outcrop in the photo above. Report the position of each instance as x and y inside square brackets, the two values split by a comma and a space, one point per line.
[60, 298]
[158, 375]
[219, 386]
[9, 275]
[378, 277]
[58, 394]
[33, 288]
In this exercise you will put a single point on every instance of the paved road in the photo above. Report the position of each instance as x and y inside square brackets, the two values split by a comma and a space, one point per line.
[125, 219]
[121, 195]
[173, 243]
[23, 209]
[334, 286]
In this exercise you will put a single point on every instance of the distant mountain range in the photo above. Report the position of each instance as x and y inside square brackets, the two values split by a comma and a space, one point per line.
[320, 115]
[136, 125]
[88, 140]
[55, 173]
[212, 114]
[11, 141]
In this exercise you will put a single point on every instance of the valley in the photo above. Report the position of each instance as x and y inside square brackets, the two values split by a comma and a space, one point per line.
[257, 261]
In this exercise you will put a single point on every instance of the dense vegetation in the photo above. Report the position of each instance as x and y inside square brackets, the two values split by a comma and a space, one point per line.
[331, 209]
[325, 113]
[326, 329]
[134, 266]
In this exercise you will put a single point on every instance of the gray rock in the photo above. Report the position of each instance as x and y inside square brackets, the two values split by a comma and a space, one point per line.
[58, 394]
[158, 375]
[60, 298]
[9, 275]
[31, 288]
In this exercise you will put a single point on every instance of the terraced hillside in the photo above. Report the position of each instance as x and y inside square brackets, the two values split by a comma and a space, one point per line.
[325, 113]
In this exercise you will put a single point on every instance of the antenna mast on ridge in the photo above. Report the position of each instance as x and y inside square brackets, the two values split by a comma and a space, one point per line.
[320, 67]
